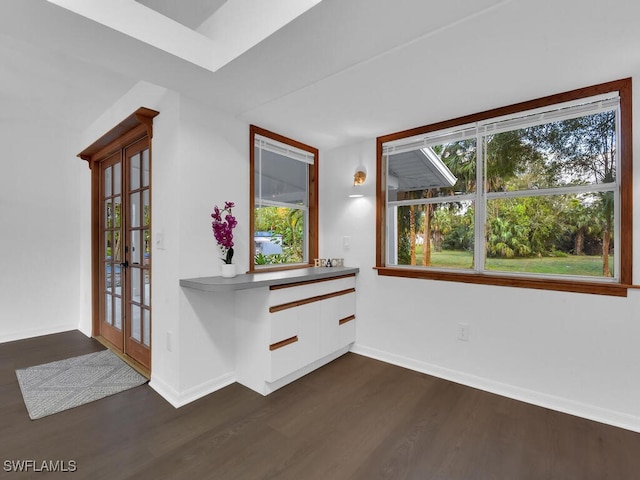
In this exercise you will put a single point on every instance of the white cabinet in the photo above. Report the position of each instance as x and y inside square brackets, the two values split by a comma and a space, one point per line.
[283, 344]
[328, 326]
[287, 331]
[347, 324]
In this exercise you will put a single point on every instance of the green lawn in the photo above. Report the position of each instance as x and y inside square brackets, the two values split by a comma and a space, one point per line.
[570, 265]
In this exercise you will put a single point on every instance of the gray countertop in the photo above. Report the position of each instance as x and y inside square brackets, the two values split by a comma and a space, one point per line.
[266, 279]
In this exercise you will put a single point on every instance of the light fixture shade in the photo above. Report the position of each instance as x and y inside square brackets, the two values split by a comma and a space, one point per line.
[360, 176]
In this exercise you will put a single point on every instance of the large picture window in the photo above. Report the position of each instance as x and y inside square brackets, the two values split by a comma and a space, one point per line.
[283, 201]
[536, 194]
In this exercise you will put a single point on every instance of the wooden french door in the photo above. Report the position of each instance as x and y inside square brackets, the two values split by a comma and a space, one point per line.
[125, 252]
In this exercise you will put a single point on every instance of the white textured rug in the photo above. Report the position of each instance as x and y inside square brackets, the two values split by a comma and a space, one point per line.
[57, 386]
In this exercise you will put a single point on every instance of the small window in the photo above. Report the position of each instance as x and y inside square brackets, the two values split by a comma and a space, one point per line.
[527, 195]
[284, 202]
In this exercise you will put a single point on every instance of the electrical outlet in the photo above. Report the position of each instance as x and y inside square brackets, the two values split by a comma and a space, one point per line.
[463, 332]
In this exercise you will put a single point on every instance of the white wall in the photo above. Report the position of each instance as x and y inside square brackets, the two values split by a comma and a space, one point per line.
[568, 351]
[40, 216]
[199, 159]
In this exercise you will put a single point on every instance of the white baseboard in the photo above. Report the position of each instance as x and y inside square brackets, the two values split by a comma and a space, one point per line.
[564, 405]
[36, 332]
[180, 399]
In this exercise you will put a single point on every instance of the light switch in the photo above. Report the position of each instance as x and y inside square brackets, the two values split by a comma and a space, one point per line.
[160, 241]
[346, 243]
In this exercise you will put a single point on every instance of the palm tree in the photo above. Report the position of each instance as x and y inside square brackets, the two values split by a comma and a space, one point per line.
[584, 149]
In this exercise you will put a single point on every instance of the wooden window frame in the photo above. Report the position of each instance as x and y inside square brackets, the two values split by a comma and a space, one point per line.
[624, 87]
[312, 234]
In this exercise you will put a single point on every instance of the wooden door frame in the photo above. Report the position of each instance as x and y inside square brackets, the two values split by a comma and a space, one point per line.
[133, 128]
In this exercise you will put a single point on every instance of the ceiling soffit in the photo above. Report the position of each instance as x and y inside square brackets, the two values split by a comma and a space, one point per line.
[244, 23]
[190, 13]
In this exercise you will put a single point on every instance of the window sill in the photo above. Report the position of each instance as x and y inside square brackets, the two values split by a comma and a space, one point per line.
[280, 268]
[596, 288]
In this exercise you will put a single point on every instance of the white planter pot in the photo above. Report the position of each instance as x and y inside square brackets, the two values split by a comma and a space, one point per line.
[228, 270]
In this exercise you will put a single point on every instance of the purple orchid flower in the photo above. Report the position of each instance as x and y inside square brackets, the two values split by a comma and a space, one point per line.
[223, 229]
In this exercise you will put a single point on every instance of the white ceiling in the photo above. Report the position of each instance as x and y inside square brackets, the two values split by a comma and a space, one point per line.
[190, 13]
[344, 71]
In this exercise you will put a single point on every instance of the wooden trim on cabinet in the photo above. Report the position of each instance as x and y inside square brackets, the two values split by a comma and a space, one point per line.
[283, 343]
[305, 301]
[342, 321]
[306, 282]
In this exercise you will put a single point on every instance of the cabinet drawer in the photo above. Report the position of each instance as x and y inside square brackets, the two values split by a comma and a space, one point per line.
[284, 324]
[309, 332]
[347, 331]
[285, 294]
[283, 360]
[346, 305]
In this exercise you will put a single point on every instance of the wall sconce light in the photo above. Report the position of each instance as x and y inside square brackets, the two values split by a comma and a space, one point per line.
[359, 177]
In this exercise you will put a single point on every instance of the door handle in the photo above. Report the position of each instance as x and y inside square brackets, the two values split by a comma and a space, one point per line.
[125, 264]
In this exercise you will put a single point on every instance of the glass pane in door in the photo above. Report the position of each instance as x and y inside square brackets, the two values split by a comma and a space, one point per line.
[107, 181]
[117, 317]
[134, 207]
[117, 179]
[134, 179]
[146, 208]
[117, 211]
[146, 290]
[108, 278]
[108, 309]
[135, 284]
[108, 214]
[136, 333]
[108, 244]
[145, 168]
[146, 327]
[136, 247]
[116, 249]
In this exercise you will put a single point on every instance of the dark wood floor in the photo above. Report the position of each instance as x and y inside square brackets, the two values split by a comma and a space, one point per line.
[355, 418]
